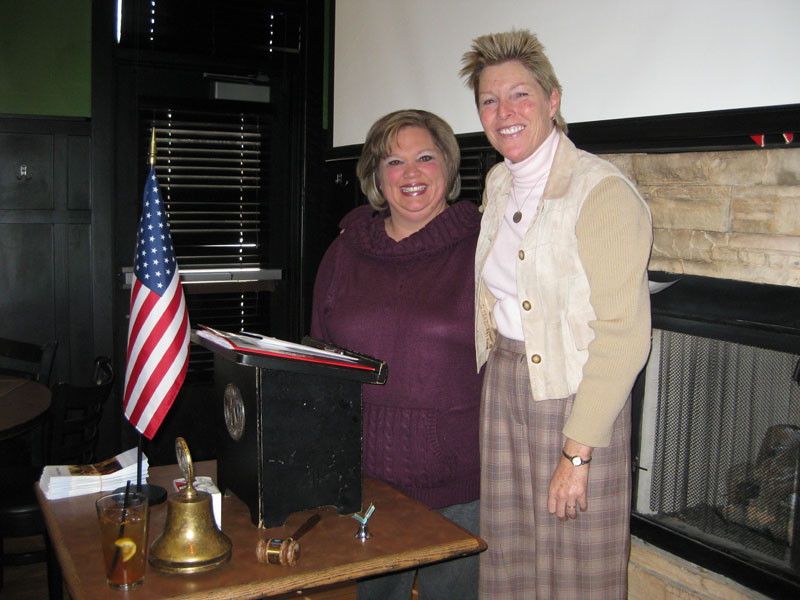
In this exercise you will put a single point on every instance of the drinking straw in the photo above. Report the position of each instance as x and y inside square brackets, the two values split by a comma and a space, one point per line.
[115, 560]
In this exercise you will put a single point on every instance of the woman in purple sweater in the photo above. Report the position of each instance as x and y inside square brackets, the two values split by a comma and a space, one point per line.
[397, 284]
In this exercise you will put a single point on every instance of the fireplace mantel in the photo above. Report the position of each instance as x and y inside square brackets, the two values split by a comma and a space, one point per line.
[758, 314]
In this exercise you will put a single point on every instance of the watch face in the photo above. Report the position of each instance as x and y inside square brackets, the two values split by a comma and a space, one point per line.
[576, 460]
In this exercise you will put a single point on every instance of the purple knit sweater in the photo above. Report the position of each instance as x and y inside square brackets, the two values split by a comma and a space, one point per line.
[410, 303]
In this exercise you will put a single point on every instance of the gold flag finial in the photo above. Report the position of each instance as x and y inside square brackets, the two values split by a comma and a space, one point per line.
[153, 148]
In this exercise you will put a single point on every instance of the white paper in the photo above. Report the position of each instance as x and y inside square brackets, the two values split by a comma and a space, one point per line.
[658, 286]
[63, 481]
[254, 341]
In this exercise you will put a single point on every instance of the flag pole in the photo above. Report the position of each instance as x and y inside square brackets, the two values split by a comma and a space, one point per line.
[152, 158]
[154, 493]
[152, 153]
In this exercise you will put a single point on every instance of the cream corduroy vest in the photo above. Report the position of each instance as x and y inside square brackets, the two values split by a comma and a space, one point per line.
[552, 287]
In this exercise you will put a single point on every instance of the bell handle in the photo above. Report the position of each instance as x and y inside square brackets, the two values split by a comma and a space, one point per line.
[186, 465]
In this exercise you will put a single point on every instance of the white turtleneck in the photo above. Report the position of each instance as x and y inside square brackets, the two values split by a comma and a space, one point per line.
[529, 178]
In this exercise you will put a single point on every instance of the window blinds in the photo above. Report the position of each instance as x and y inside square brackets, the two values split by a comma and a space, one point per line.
[212, 170]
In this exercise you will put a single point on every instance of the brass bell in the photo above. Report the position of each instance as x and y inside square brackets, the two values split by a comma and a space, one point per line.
[191, 541]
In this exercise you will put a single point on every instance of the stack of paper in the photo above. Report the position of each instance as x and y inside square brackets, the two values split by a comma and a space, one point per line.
[64, 481]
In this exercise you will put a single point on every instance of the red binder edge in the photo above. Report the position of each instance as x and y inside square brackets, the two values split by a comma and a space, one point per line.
[235, 346]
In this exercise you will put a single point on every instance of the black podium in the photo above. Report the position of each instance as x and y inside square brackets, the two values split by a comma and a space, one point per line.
[290, 429]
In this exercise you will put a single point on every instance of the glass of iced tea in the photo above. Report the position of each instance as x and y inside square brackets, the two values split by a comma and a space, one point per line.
[123, 536]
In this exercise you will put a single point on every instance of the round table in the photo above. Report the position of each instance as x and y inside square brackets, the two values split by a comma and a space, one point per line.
[23, 405]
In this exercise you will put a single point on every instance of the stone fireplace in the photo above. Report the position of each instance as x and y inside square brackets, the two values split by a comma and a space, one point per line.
[717, 445]
[725, 214]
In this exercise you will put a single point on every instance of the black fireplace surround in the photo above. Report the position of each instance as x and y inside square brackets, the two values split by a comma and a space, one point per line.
[759, 315]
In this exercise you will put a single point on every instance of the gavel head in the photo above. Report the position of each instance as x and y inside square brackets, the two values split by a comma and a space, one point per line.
[278, 552]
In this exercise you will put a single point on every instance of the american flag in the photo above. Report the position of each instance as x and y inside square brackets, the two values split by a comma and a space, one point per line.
[158, 333]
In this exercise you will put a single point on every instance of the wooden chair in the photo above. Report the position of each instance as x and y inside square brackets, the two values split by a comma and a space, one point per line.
[25, 359]
[28, 360]
[75, 417]
[71, 435]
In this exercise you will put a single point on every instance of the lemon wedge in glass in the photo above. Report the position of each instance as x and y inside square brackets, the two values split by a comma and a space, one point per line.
[127, 548]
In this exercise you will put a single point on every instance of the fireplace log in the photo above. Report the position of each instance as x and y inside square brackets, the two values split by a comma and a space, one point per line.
[761, 496]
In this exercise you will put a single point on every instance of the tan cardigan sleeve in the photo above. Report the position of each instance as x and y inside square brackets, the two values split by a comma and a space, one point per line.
[614, 234]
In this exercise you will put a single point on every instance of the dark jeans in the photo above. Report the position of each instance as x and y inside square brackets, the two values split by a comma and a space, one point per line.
[455, 579]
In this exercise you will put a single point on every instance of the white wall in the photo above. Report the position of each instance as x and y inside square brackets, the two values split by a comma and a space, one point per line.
[614, 58]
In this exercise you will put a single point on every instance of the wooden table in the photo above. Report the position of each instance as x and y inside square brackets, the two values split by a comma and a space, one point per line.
[23, 405]
[405, 534]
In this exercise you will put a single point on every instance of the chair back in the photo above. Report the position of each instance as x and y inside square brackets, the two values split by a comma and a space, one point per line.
[28, 360]
[75, 417]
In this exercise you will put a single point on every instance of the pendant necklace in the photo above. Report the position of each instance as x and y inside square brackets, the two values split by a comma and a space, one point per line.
[517, 216]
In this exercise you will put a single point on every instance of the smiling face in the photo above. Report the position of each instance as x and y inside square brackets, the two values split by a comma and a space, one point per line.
[412, 179]
[515, 112]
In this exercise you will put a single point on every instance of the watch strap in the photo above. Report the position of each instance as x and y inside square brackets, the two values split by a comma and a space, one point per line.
[572, 459]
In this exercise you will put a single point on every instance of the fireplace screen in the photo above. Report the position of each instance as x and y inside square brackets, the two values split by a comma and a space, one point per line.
[719, 457]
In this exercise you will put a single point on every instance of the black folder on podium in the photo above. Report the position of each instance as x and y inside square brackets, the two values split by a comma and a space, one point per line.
[289, 433]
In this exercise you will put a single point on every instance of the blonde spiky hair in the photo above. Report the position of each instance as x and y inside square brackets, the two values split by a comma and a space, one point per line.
[520, 45]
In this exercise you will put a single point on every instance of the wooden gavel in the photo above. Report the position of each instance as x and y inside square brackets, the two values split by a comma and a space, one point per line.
[284, 552]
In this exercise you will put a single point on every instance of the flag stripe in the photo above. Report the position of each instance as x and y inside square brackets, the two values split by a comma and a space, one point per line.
[156, 365]
[147, 329]
[167, 325]
[164, 393]
[142, 305]
[157, 412]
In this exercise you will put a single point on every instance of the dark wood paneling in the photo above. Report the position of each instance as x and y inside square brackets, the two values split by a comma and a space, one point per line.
[46, 263]
[79, 156]
[32, 153]
[103, 144]
[689, 132]
[79, 297]
[27, 286]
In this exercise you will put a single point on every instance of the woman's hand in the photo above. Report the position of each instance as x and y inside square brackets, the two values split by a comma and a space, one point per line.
[568, 485]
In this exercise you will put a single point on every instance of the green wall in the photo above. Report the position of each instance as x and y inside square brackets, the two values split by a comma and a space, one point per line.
[45, 57]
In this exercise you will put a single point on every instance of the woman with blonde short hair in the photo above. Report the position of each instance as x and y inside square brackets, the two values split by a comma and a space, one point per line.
[562, 322]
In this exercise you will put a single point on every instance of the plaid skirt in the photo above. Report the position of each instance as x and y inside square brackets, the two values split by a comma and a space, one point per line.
[531, 553]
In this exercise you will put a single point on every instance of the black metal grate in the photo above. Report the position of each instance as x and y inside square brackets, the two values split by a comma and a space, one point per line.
[726, 446]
